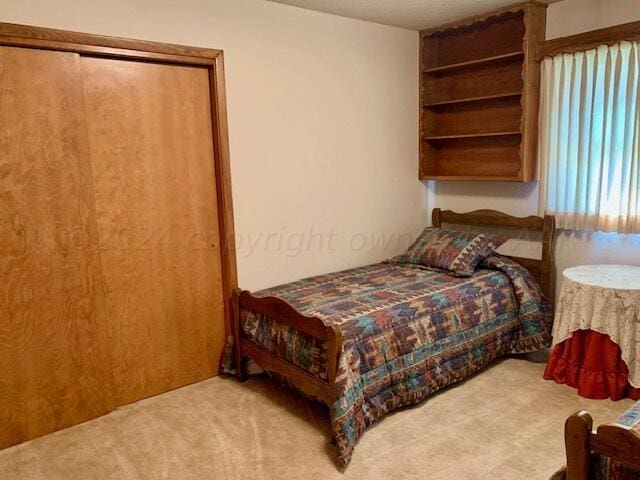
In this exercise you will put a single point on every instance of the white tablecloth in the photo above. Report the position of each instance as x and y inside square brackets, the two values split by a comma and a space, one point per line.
[606, 299]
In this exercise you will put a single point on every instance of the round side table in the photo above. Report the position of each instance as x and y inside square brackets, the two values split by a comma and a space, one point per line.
[596, 332]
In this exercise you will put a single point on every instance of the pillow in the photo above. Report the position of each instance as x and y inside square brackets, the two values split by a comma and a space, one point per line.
[457, 253]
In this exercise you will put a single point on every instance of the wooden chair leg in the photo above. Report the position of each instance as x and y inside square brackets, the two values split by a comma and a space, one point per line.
[577, 433]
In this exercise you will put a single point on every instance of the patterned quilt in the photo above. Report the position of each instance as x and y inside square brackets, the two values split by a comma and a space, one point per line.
[408, 332]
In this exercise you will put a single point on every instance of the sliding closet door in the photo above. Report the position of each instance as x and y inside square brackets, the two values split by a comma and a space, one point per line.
[55, 361]
[155, 195]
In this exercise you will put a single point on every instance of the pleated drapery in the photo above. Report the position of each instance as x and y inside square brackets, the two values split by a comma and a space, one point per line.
[590, 139]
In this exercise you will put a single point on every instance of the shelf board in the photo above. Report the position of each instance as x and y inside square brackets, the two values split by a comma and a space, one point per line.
[473, 63]
[473, 135]
[471, 178]
[473, 99]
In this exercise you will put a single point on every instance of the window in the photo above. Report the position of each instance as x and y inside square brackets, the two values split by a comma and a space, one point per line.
[590, 138]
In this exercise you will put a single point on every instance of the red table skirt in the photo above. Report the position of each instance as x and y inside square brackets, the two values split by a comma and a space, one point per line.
[591, 362]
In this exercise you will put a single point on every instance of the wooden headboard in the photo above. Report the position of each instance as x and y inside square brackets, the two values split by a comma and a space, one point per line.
[543, 269]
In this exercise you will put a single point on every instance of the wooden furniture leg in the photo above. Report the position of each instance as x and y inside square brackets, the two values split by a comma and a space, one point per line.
[577, 433]
[237, 353]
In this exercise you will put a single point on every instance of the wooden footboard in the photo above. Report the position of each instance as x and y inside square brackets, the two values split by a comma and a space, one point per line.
[617, 442]
[282, 312]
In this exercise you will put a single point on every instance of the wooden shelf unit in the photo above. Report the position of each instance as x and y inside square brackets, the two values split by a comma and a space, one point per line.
[479, 91]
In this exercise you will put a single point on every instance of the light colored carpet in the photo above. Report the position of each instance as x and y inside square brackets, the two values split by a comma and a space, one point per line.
[503, 423]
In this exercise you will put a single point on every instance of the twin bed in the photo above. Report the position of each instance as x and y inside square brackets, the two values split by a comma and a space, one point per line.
[369, 340]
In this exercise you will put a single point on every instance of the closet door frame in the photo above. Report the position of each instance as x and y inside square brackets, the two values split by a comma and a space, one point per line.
[41, 38]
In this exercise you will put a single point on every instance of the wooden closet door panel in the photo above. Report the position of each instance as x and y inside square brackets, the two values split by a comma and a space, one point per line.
[55, 364]
[154, 180]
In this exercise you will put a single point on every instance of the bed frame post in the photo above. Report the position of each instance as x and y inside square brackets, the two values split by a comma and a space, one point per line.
[435, 218]
[237, 347]
[548, 272]
[577, 433]
[334, 348]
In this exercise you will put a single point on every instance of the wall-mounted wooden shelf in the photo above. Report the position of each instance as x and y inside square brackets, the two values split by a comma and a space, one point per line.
[479, 90]
[475, 63]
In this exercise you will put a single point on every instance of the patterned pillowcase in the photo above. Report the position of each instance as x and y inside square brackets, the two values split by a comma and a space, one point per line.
[455, 252]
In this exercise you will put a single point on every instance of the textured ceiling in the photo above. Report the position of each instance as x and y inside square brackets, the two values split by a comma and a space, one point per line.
[412, 14]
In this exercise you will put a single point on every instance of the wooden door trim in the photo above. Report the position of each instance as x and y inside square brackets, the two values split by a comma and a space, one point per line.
[49, 35]
[142, 50]
[107, 52]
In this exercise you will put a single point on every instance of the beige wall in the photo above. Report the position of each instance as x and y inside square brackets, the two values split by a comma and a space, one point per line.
[323, 123]
[572, 248]
[569, 17]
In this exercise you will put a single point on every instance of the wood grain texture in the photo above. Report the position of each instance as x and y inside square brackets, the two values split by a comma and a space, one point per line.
[488, 218]
[280, 310]
[481, 117]
[236, 332]
[54, 348]
[548, 263]
[222, 158]
[483, 79]
[536, 24]
[12, 30]
[156, 203]
[618, 442]
[474, 63]
[480, 98]
[577, 432]
[486, 158]
[58, 341]
[483, 17]
[481, 73]
[587, 40]
[487, 38]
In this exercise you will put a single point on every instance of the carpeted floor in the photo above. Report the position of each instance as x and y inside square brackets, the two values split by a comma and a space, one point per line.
[504, 423]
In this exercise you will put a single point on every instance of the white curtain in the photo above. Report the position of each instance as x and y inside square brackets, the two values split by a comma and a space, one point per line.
[590, 139]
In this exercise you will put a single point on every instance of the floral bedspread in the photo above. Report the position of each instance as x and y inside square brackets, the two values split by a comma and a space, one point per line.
[407, 332]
